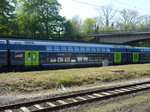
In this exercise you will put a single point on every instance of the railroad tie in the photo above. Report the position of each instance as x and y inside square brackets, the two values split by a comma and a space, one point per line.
[132, 88]
[119, 91]
[81, 98]
[8, 110]
[24, 109]
[98, 95]
[105, 93]
[74, 100]
[90, 96]
[50, 104]
[125, 90]
[62, 102]
[113, 92]
[38, 106]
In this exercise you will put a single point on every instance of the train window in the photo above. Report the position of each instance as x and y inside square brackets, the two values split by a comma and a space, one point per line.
[76, 48]
[88, 49]
[34, 56]
[85, 59]
[100, 59]
[67, 59]
[79, 59]
[56, 48]
[50, 48]
[53, 60]
[29, 56]
[93, 49]
[91, 59]
[108, 49]
[18, 55]
[103, 49]
[70, 48]
[2, 42]
[63, 48]
[98, 49]
[96, 59]
[60, 59]
[73, 60]
[82, 48]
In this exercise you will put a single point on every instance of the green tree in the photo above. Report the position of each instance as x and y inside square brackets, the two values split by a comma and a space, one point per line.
[40, 18]
[76, 32]
[6, 15]
[89, 25]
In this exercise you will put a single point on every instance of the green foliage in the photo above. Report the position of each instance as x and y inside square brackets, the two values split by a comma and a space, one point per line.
[73, 29]
[89, 25]
[107, 29]
[71, 32]
[6, 15]
[128, 26]
[40, 18]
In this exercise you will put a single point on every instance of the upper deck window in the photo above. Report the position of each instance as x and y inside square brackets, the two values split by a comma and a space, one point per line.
[56, 48]
[108, 49]
[82, 48]
[63, 48]
[103, 50]
[88, 49]
[93, 49]
[2, 42]
[98, 49]
[70, 48]
[50, 48]
[76, 48]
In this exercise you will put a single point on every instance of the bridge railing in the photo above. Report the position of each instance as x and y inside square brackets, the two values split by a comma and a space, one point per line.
[123, 31]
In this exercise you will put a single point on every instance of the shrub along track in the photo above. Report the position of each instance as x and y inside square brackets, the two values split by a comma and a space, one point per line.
[74, 99]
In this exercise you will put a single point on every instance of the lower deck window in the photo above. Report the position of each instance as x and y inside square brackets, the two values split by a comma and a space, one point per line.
[60, 59]
[91, 59]
[18, 55]
[79, 59]
[85, 59]
[67, 59]
[53, 60]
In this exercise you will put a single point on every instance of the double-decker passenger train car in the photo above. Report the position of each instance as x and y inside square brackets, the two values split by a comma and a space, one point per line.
[17, 52]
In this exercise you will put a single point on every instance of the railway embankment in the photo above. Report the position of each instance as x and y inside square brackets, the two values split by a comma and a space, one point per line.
[49, 80]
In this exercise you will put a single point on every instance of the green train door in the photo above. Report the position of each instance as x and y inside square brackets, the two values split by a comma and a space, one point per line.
[31, 58]
[135, 56]
[117, 57]
[35, 58]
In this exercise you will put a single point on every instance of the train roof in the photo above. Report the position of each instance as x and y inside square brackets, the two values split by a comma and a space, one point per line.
[23, 41]
[27, 41]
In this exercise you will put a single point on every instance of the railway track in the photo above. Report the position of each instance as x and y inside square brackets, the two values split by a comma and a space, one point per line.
[74, 99]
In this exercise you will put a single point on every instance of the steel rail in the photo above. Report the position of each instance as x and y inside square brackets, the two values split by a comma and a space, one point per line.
[84, 100]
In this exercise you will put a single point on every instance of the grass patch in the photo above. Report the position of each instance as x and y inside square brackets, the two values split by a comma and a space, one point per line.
[43, 80]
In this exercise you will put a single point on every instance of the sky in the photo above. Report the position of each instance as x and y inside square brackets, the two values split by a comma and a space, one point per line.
[72, 8]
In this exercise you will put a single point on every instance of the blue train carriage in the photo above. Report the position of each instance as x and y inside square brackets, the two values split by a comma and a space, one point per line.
[3, 53]
[144, 54]
[138, 54]
[23, 52]
[28, 52]
[78, 53]
[75, 53]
